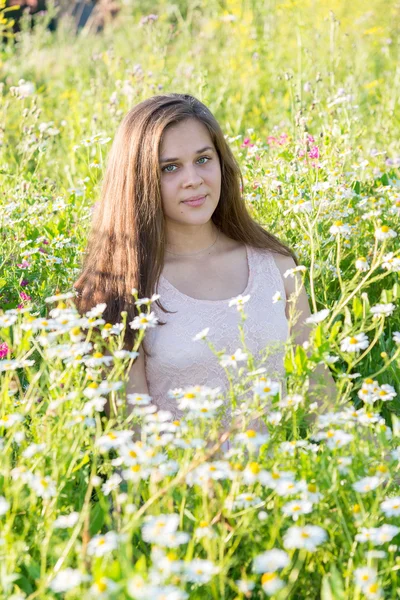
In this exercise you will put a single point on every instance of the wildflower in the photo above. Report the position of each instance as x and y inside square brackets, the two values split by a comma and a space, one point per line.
[340, 227]
[8, 421]
[215, 471]
[274, 417]
[378, 535]
[291, 401]
[66, 580]
[362, 264]
[265, 387]
[103, 587]
[66, 521]
[391, 506]
[113, 439]
[111, 484]
[390, 262]
[101, 544]
[252, 438]
[43, 486]
[201, 335]
[297, 507]
[155, 528]
[139, 399]
[343, 463]
[246, 500]
[396, 337]
[147, 300]
[384, 232]
[366, 484]
[232, 360]
[291, 272]
[276, 297]
[144, 321]
[271, 583]
[245, 585]
[270, 561]
[354, 343]
[136, 472]
[199, 570]
[382, 310]
[203, 530]
[239, 301]
[318, 316]
[308, 537]
[365, 576]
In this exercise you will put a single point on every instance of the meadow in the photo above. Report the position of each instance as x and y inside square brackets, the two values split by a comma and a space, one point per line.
[307, 94]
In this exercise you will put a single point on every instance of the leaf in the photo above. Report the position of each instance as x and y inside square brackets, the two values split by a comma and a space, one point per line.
[300, 360]
[386, 296]
[357, 308]
[326, 592]
[83, 462]
[288, 363]
[335, 330]
[332, 587]
[395, 290]
[347, 317]
[96, 519]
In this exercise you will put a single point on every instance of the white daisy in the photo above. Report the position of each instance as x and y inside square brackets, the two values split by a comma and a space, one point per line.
[362, 264]
[366, 484]
[318, 316]
[365, 576]
[291, 272]
[382, 310]
[239, 301]
[201, 335]
[384, 232]
[199, 570]
[308, 537]
[390, 262]
[144, 321]
[276, 297]
[66, 521]
[270, 561]
[66, 580]
[297, 507]
[101, 544]
[232, 360]
[354, 343]
[340, 227]
[391, 506]
[271, 583]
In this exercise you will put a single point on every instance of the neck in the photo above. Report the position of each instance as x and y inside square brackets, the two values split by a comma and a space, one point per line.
[191, 239]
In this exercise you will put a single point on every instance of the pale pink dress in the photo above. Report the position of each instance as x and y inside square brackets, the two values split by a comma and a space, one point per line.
[176, 361]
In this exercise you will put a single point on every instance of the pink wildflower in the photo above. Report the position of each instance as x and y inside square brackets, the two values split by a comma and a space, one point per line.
[4, 349]
[24, 264]
[314, 152]
[24, 296]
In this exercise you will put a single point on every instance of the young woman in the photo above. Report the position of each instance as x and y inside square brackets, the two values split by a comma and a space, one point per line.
[172, 221]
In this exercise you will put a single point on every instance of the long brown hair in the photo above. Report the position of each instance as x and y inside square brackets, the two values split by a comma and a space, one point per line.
[126, 244]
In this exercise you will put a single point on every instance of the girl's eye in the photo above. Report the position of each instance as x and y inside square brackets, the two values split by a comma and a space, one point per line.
[167, 167]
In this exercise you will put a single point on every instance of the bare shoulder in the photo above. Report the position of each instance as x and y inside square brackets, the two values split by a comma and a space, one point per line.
[284, 263]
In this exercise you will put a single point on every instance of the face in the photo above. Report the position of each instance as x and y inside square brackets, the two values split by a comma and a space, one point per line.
[190, 167]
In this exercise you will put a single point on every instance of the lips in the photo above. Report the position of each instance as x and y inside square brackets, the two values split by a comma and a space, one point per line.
[197, 201]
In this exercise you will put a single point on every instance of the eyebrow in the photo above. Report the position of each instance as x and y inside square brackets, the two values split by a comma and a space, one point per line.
[164, 160]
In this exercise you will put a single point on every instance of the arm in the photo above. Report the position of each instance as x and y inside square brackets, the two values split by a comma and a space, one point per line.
[300, 330]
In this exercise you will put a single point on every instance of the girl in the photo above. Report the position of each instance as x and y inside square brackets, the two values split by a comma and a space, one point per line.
[172, 221]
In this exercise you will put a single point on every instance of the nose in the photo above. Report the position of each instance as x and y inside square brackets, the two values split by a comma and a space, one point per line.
[192, 177]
